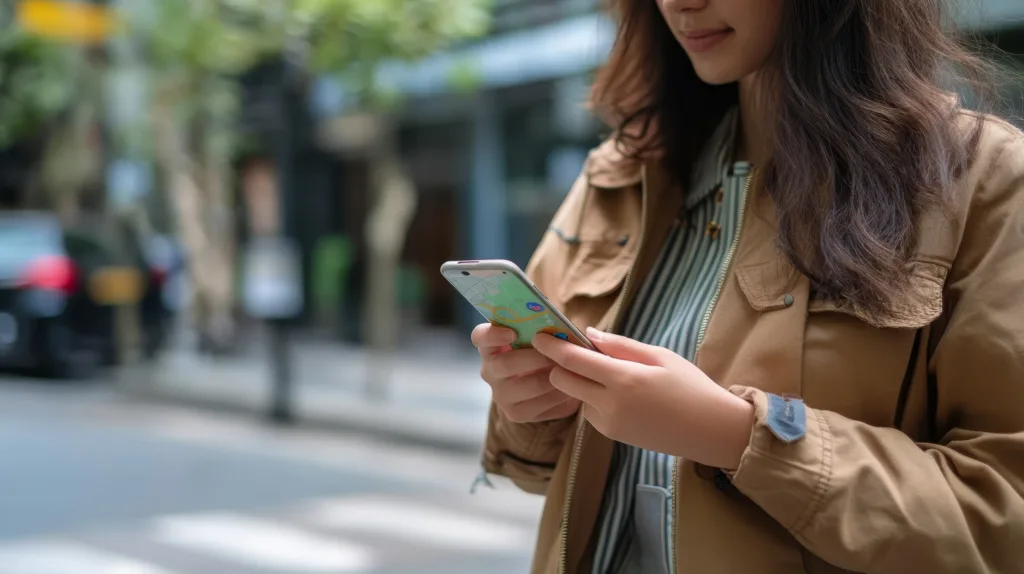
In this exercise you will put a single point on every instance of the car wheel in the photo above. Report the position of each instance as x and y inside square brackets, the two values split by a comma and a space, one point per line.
[109, 356]
[62, 358]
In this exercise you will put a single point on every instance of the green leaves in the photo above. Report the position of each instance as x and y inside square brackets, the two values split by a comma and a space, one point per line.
[349, 38]
[194, 48]
[37, 81]
[222, 37]
[372, 30]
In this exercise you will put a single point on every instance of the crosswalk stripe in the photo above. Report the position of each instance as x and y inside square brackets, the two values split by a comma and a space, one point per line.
[418, 523]
[58, 557]
[261, 543]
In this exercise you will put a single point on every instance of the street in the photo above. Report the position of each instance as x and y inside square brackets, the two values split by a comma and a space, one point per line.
[97, 483]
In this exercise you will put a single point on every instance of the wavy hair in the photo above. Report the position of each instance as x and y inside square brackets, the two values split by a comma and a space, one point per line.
[866, 134]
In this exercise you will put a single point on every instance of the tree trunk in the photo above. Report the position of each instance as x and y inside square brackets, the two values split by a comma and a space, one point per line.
[198, 199]
[387, 227]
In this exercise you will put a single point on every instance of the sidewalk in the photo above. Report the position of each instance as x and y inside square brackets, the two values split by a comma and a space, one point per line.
[435, 397]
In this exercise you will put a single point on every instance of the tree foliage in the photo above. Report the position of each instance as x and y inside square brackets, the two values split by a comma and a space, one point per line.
[196, 49]
[349, 38]
[37, 82]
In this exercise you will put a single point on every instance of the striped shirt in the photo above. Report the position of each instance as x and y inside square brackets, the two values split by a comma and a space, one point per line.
[668, 312]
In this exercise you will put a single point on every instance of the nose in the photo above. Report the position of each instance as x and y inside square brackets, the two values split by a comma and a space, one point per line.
[683, 5]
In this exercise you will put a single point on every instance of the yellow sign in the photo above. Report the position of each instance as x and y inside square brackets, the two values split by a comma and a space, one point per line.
[116, 286]
[73, 21]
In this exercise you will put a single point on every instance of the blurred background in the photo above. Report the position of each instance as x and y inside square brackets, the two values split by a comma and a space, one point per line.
[225, 346]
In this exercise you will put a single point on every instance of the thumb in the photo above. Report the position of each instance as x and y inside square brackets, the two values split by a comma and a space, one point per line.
[624, 348]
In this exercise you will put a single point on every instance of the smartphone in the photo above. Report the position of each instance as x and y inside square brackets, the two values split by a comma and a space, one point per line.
[504, 296]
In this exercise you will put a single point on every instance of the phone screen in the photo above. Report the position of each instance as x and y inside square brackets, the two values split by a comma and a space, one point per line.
[503, 299]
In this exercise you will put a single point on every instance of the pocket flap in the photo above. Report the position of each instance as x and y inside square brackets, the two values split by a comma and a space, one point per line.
[767, 286]
[598, 268]
[920, 305]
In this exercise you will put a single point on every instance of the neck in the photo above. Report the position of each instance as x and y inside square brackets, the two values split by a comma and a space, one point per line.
[754, 143]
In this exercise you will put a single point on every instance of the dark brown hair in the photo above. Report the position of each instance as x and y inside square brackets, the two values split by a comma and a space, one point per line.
[867, 134]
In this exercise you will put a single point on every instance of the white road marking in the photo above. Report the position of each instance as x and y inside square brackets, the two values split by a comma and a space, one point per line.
[58, 557]
[193, 427]
[262, 543]
[418, 523]
[452, 472]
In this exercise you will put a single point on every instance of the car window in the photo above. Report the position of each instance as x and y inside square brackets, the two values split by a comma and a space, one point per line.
[23, 240]
[86, 250]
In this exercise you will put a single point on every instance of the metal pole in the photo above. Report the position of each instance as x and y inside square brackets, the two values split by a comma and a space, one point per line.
[281, 366]
[281, 410]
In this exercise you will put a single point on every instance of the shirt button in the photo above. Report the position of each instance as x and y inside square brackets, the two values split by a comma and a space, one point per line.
[713, 230]
[788, 300]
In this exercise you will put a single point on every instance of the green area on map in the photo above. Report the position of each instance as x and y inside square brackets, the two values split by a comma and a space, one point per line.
[503, 299]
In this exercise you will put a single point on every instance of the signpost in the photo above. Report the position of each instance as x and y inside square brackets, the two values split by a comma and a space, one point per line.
[273, 109]
[272, 291]
[272, 287]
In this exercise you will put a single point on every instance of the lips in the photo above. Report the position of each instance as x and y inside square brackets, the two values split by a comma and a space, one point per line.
[700, 34]
[703, 40]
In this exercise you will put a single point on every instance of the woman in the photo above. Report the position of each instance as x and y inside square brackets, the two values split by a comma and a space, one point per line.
[814, 260]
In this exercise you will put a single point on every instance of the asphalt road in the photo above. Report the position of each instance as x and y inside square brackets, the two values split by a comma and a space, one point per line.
[94, 483]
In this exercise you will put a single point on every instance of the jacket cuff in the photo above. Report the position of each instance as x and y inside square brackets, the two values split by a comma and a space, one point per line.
[787, 467]
[526, 453]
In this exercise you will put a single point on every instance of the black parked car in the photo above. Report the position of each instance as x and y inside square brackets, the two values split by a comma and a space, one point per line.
[59, 294]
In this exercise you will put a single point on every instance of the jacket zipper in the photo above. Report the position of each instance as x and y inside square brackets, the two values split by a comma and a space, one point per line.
[700, 340]
[725, 268]
[581, 428]
[563, 550]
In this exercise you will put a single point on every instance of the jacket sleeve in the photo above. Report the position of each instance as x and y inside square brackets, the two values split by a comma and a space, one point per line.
[527, 453]
[869, 499]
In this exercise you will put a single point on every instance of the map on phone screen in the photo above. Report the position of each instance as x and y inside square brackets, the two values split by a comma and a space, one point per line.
[504, 300]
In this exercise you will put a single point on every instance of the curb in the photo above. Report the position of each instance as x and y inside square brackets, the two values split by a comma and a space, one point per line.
[438, 430]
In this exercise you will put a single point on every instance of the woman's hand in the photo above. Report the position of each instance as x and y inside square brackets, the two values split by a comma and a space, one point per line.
[651, 398]
[520, 378]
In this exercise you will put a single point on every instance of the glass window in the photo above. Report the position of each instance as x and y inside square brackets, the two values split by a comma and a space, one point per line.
[25, 239]
[86, 251]
[544, 151]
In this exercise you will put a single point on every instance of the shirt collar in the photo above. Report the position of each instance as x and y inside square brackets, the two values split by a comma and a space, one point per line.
[714, 164]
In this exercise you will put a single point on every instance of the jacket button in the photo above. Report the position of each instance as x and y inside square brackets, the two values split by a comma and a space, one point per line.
[788, 300]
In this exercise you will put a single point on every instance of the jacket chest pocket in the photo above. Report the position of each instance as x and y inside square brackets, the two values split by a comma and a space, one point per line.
[595, 272]
[855, 363]
[848, 361]
[598, 246]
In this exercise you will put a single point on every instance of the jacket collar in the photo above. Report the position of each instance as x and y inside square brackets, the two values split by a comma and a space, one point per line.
[608, 167]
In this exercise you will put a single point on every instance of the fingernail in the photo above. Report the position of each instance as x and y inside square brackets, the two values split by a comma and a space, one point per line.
[594, 335]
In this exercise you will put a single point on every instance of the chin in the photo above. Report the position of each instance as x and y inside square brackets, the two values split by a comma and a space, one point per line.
[717, 76]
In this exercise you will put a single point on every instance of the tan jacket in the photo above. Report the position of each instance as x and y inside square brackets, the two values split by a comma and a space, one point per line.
[913, 460]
